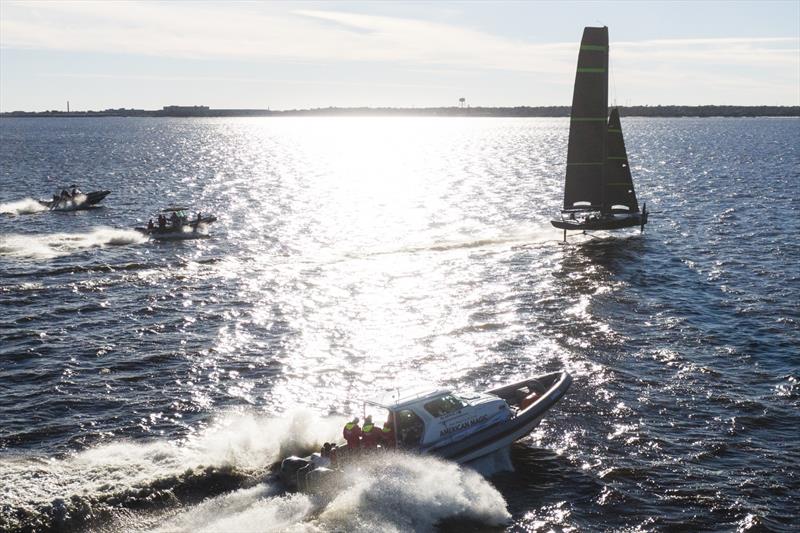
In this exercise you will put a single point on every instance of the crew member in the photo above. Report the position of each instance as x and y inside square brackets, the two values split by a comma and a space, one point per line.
[324, 457]
[325, 451]
[370, 435]
[150, 224]
[352, 434]
[333, 452]
[387, 433]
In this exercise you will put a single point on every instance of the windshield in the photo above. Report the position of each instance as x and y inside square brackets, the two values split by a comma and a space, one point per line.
[444, 405]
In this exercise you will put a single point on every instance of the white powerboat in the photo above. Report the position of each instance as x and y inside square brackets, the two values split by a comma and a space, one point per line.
[458, 427]
[75, 200]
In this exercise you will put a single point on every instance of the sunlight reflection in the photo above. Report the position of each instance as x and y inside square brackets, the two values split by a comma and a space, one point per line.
[373, 256]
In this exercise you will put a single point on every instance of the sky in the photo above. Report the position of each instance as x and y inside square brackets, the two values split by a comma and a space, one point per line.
[298, 55]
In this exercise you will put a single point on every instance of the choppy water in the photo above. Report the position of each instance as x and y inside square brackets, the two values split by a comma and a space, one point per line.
[149, 386]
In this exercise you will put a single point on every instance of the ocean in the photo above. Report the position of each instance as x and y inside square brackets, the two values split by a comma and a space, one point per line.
[150, 386]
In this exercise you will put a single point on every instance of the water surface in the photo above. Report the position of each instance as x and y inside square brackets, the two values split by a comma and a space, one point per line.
[356, 255]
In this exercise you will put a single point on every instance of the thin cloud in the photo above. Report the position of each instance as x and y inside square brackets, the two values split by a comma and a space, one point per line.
[247, 33]
[757, 51]
[252, 32]
[260, 33]
[242, 79]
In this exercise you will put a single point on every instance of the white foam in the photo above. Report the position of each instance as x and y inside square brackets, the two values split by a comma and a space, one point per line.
[412, 493]
[22, 207]
[244, 441]
[390, 493]
[257, 509]
[71, 204]
[52, 245]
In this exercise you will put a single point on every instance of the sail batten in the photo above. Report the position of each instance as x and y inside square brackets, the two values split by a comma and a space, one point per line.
[588, 122]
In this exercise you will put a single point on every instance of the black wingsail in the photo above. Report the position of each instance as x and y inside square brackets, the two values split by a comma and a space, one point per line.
[618, 183]
[586, 154]
[598, 189]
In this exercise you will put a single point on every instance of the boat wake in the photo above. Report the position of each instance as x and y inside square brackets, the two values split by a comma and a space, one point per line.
[22, 207]
[516, 239]
[219, 480]
[520, 238]
[390, 492]
[52, 245]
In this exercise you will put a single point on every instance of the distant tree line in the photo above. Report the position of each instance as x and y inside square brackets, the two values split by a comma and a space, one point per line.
[520, 111]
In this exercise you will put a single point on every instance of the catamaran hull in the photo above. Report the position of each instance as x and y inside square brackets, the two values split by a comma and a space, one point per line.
[610, 223]
[89, 200]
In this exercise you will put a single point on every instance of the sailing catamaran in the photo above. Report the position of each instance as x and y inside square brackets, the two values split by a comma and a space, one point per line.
[598, 190]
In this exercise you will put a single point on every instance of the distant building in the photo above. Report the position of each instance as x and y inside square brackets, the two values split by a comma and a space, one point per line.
[185, 110]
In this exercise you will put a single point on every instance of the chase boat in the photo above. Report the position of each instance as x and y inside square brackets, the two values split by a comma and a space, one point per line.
[457, 427]
[74, 201]
[176, 225]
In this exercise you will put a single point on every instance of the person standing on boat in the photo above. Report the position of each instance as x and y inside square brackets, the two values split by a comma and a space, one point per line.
[387, 433]
[370, 435]
[352, 434]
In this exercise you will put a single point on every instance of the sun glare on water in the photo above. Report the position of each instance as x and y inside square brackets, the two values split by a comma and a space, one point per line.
[361, 233]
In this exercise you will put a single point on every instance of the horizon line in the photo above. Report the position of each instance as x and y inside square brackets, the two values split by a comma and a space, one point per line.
[380, 108]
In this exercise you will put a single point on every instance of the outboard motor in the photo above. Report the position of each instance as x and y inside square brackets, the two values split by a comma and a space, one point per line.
[289, 468]
[321, 480]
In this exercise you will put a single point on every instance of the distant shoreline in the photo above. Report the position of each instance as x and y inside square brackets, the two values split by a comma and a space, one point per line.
[521, 111]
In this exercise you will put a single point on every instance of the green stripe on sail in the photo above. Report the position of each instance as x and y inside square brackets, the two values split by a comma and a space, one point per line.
[618, 184]
[618, 158]
[587, 119]
[582, 164]
[612, 130]
[591, 70]
[594, 47]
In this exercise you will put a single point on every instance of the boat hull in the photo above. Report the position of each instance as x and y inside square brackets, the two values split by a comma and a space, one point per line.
[611, 222]
[552, 388]
[184, 234]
